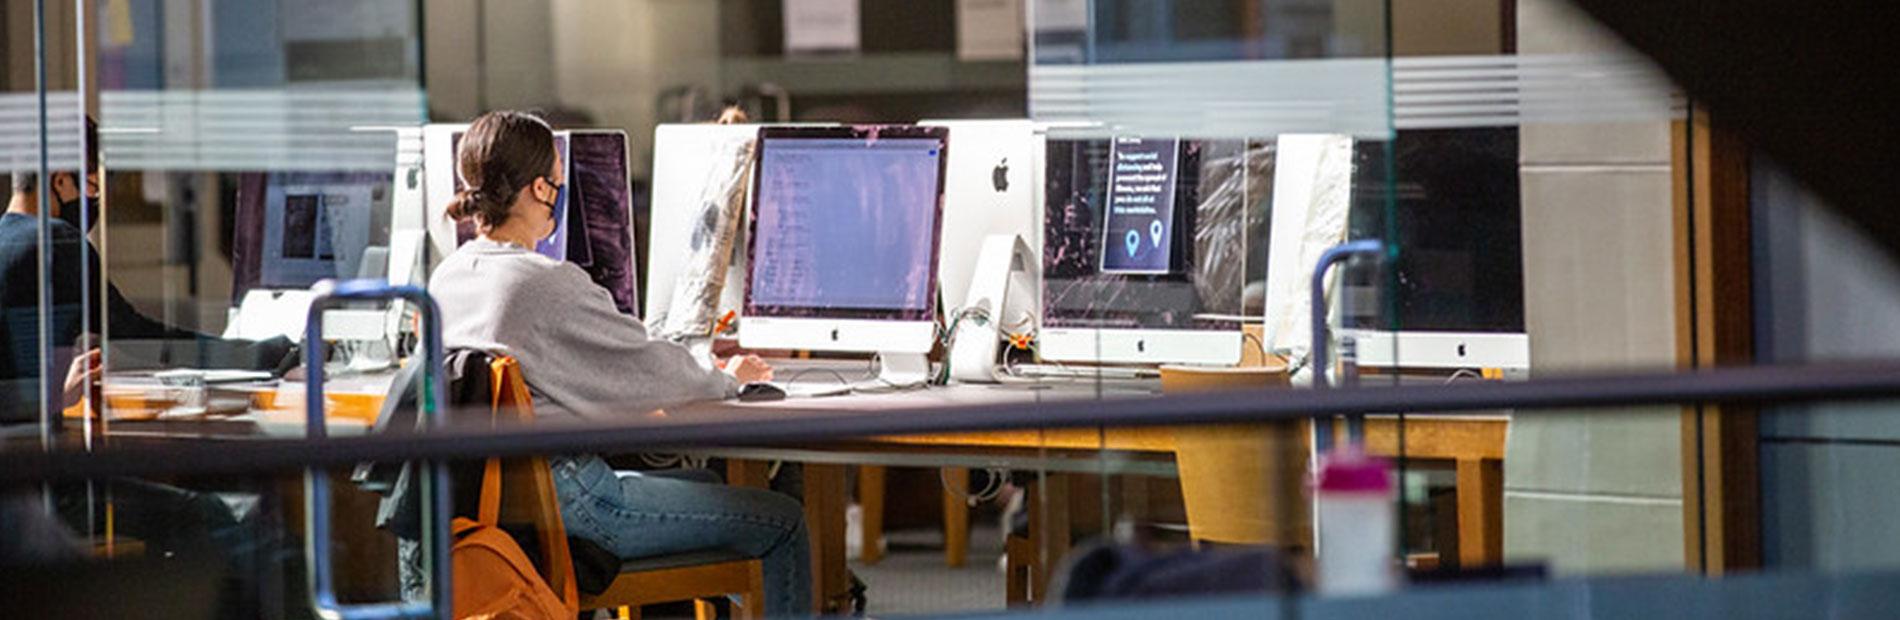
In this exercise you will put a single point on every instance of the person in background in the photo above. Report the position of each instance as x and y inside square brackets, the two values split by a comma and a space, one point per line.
[181, 525]
[584, 360]
[71, 252]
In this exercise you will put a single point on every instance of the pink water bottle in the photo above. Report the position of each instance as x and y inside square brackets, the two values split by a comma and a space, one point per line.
[1356, 524]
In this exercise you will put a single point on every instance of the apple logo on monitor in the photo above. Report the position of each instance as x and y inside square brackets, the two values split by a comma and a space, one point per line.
[999, 176]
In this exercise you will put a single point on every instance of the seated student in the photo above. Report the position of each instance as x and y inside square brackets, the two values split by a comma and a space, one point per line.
[20, 290]
[172, 522]
[583, 359]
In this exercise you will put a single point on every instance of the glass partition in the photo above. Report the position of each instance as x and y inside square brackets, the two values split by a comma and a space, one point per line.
[1132, 200]
[1542, 229]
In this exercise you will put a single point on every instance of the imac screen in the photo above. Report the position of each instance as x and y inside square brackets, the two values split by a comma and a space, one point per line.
[1457, 209]
[1152, 234]
[600, 215]
[295, 228]
[846, 226]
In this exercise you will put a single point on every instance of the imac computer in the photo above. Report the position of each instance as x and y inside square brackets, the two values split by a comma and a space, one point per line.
[292, 229]
[1140, 263]
[599, 225]
[696, 169]
[440, 181]
[1460, 273]
[843, 243]
[990, 264]
[992, 186]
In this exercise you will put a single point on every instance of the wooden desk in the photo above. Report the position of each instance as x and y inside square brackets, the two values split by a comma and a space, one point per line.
[135, 405]
[1474, 444]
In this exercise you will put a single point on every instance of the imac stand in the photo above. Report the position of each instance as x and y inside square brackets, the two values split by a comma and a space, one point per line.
[1002, 294]
[902, 370]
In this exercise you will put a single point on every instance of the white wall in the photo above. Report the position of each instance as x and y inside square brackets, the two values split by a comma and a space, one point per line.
[614, 59]
[504, 61]
[608, 59]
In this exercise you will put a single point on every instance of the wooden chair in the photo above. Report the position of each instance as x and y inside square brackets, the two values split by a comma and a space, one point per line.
[1021, 570]
[528, 496]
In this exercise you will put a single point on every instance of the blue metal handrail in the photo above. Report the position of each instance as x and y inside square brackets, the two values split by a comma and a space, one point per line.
[1322, 339]
[435, 483]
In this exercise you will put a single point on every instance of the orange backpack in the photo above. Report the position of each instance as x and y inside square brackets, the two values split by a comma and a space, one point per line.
[494, 579]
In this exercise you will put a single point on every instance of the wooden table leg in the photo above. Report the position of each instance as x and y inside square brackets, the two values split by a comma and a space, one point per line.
[1480, 512]
[1048, 529]
[871, 513]
[750, 474]
[824, 521]
[956, 516]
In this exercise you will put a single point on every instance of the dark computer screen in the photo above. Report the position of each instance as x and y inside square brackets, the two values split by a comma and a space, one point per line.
[599, 225]
[1456, 219]
[845, 223]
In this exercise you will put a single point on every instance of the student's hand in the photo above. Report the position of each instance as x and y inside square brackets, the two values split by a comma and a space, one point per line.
[748, 368]
[84, 370]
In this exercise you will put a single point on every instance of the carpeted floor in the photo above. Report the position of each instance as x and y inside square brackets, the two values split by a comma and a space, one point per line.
[912, 578]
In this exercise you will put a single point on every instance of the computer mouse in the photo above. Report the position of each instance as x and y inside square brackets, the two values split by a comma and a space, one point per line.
[760, 392]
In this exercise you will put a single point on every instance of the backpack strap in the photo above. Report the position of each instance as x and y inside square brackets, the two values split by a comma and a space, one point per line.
[490, 511]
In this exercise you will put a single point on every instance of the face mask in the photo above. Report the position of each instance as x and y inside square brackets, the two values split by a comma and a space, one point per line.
[69, 212]
[554, 209]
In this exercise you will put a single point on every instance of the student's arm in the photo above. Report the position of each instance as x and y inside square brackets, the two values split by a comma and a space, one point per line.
[122, 319]
[169, 345]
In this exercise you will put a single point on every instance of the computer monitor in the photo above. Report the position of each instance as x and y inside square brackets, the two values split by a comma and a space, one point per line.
[1140, 266]
[691, 165]
[1460, 274]
[844, 241]
[599, 227]
[992, 186]
[292, 229]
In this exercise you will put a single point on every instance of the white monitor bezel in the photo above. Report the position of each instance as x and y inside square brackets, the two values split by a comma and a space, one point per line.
[971, 213]
[1140, 346]
[1440, 350]
[849, 331]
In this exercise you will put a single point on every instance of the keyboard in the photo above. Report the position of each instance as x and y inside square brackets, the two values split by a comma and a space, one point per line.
[1054, 371]
[814, 389]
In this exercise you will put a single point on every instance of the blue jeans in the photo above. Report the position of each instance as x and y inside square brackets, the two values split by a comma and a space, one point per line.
[640, 516]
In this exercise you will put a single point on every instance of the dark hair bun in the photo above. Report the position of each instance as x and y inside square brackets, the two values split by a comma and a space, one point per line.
[502, 153]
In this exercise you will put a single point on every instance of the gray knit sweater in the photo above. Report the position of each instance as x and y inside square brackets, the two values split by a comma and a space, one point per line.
[580, 356]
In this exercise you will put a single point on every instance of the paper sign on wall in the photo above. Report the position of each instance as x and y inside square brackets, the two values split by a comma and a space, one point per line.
[1061, 15]
[989, 29]
[821, 26]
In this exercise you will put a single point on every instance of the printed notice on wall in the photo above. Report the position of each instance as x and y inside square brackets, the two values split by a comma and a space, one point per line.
[989, 29]
[1138, 233]
[821, 26]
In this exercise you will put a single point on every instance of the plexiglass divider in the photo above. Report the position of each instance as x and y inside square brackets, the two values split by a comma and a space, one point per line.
[1196, 164]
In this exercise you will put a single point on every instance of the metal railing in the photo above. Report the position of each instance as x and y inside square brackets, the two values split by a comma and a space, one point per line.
[1857, 381]
[320, 571]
